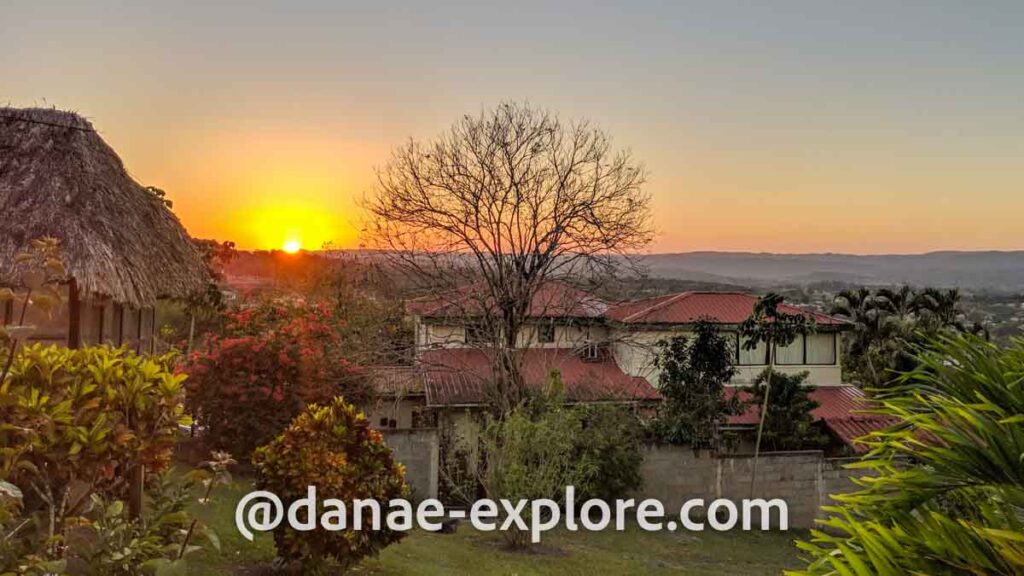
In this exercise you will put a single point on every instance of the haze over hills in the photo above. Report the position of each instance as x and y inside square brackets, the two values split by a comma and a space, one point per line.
[993, 270]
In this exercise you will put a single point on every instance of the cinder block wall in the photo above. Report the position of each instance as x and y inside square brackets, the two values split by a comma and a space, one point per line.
[675, 474]
[417, 450]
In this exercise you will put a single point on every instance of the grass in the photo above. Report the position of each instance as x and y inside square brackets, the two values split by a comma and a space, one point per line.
[472, 552]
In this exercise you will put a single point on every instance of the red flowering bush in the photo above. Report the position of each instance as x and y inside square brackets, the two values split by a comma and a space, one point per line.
[272, 359]
[332, 447]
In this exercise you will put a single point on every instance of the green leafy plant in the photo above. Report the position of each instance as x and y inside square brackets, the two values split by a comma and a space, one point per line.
[75, 422]
[788, 422]
[273, 359]
[694, 372]
[332, 447]
[610, 446]
[947, 492]
[541, 447]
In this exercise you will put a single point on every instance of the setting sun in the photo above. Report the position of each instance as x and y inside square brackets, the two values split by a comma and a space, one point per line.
[291, 246]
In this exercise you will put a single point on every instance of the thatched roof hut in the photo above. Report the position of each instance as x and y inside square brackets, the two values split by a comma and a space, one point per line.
[59, 178]
[120, 242]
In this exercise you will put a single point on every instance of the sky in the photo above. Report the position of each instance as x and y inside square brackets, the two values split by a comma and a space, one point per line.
[856, 127]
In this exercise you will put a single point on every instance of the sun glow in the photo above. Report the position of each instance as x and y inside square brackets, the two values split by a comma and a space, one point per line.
[292, 246]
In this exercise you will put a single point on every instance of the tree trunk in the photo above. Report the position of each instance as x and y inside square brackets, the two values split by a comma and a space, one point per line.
[760, 424]
[191, 332]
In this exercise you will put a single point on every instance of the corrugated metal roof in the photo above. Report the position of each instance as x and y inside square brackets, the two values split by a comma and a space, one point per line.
[689, 307]
[397, 380]
[554, 299]
[833, 402]
[850, 429]
[457, 376]
[840, 408]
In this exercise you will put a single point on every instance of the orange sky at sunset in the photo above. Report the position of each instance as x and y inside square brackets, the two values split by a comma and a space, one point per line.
[804, 128]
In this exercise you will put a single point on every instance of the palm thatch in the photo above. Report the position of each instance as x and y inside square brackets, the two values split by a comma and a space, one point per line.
[59, 178]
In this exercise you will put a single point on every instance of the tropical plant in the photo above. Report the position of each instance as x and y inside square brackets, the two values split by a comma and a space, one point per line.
[272, 359]
[610, 446]
[545, 445]
[889, 322]
[532, 455]
[788, 420]
[694, 372]
[775, 329]
[332, 447]
[946, 494]
[80, 430]
[79, 421]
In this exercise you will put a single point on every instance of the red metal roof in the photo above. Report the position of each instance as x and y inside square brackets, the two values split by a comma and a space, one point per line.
[840, 408]
[456, 376]
[689, 307]
[554, 299]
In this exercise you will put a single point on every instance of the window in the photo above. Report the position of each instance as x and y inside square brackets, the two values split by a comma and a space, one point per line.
[755, 357]
[821, 348]
[476, 334]
[546, 333]
[792, 354]
[591, 352]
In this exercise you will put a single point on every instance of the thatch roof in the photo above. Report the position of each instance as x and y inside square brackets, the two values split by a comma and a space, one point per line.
[59, 178]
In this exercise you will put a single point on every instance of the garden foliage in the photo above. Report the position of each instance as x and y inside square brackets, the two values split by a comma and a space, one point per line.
[272, 359]
[331, 446]
[694, 372]
[788, 422]
[79, 429]
[945, 492]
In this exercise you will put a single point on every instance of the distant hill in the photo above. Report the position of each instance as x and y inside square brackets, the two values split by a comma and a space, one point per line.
[992, 270]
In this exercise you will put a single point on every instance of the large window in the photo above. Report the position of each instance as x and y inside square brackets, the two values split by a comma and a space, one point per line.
[792, 354]
[821, 348]
[755, 357]
[811, 349]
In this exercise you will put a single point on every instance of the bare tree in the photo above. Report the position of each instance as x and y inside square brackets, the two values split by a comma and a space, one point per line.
[482, 216]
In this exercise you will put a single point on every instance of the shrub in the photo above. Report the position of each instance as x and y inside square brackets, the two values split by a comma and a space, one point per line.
[86, 417]
[247, 384]
[539, 449]
[78, 429]
[331, 447]
[611, 443]
[788, 423]
[693, 376]
[957, 510]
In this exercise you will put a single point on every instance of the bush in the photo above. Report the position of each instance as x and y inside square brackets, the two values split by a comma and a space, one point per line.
[538, 450]
[611, 443]
[333, 448]
[247, 384]
[86, 417]
[694, 372]
[78, 428]
[788, 424]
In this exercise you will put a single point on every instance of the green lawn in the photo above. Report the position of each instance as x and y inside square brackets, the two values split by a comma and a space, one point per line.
[471, 552]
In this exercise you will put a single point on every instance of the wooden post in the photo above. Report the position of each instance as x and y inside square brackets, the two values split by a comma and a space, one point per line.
[74, 315]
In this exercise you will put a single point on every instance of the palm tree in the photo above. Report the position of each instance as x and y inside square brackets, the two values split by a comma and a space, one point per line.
[901, 304]
[775, 329]
[940, 309]
[872, 325]
[959, 508]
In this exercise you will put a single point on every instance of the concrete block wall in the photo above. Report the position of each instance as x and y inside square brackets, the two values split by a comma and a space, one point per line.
[675, 474]
[417, 450]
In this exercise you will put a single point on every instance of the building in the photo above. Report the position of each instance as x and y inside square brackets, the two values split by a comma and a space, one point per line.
[122, 246]
[604, 352]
